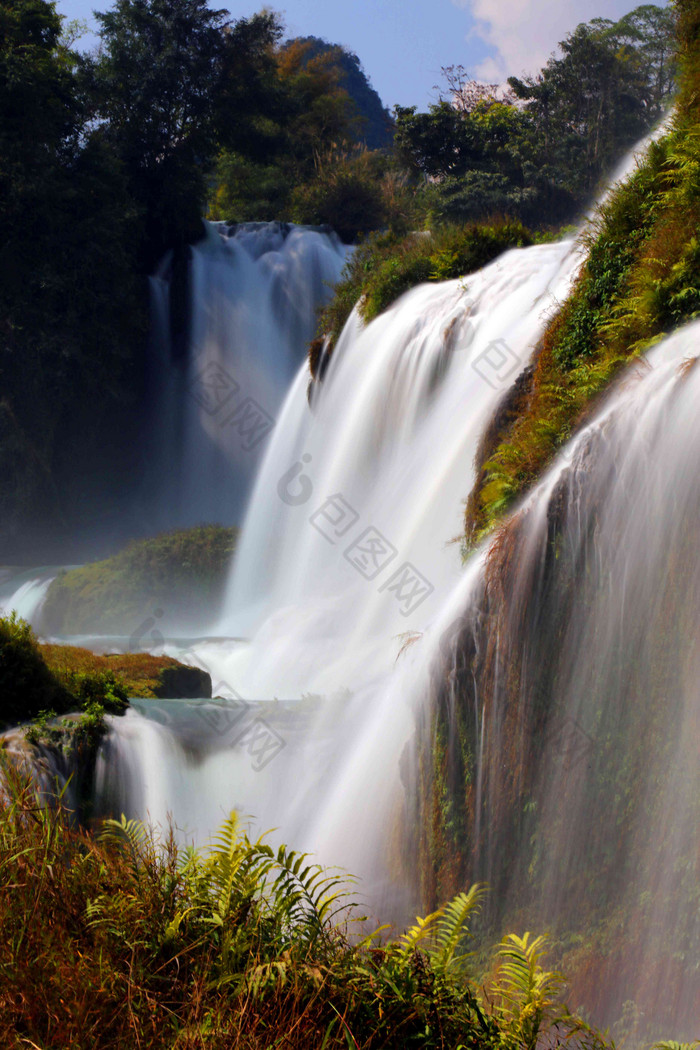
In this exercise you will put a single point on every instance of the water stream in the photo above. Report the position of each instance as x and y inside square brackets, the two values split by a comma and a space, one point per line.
[550, 685]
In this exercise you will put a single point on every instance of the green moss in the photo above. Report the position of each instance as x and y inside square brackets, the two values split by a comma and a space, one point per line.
[183, 573]
[641, 280]
[384, 266]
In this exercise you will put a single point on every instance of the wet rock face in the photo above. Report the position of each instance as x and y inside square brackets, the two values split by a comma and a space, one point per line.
[183, 683]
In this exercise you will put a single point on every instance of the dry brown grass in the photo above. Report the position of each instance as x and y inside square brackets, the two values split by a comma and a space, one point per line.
[138, 671]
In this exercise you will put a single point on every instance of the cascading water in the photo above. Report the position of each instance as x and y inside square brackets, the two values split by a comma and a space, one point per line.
[253, 294]
[564, 683]
[346, 549]
[23, 591]
[507, 712]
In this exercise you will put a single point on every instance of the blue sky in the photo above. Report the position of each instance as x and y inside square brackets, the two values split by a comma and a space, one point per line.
[402, 44]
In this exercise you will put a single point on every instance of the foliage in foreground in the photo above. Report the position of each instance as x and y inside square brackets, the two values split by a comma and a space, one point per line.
[121, 941]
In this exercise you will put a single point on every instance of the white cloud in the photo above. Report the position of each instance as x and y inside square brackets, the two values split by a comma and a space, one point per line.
[525, 32]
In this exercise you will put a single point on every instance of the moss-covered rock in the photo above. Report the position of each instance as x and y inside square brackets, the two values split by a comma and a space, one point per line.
[386, 266]
[138, 674]
[176, 579]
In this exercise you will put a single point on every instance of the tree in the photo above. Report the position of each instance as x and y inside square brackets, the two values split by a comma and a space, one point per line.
[374, 128]
[176, 81]
[67, 297]
[651, 32]
[465, 94]
[600, 96]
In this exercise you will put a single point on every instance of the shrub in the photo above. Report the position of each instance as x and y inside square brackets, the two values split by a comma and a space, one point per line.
[384, 266]
[138, 942]
[27, 686]
[349, 201]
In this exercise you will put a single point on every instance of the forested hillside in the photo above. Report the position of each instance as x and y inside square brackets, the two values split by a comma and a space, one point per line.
[110, 160]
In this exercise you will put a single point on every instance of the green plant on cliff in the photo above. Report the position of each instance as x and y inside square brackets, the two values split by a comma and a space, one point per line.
[384, 267]
[640, 280]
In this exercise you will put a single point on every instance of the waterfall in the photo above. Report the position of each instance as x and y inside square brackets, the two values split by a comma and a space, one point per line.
[249, 306]
[565, 666]
[529, 719]
[345, 558]
[23, 591]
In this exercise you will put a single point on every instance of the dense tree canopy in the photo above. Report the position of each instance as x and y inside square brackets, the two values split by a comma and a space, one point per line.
[109, 160]
[373, 126]
[540, 149]
[175, 81]
[62, 362]
[317, 167]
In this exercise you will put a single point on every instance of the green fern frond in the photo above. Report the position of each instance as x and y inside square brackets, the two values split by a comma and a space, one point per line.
[307, 894]
[453, 928]
[419, 932]
[671, 1044]
[132, 835]
[527, 992]
[522, 978]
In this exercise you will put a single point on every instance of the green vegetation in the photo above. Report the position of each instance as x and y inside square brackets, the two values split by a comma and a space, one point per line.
[174, 82]
[136, 674]
[373, 126]
[68, 287]
[58, 679]
[39, 683]
[141, 943]
[327, 158]
[36, 678]
[384, 267]
[27, 684]
[641, 279]
[541, 161]
[177, 577]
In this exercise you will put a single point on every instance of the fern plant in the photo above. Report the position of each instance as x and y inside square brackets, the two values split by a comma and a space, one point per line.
[442, 934]
[525, 996]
